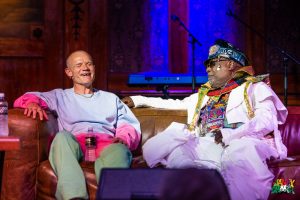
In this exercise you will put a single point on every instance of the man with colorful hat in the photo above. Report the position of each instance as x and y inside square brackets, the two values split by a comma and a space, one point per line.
[232, 125]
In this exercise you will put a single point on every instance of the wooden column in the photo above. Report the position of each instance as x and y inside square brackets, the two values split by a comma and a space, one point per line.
[98, 41]
[53, 69]
[178, 37]
[255, 45]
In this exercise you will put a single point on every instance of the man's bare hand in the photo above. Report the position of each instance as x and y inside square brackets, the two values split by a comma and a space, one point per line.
[218, 136]
[128, 101]
[33, 109]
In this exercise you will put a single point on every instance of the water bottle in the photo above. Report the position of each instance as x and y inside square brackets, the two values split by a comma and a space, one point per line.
[90, 146]
[3, 115]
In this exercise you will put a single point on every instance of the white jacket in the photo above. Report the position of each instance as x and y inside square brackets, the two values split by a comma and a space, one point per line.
[267, 107]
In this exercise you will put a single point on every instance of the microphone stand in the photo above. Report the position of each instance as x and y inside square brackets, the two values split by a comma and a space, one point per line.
[193, 41]
[285, 55]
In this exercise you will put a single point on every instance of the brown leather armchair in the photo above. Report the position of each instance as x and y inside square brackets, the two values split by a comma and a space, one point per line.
[27, 174]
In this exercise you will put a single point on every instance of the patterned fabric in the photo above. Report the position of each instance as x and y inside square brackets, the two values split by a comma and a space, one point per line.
[233, 125]
[212, 115]
[201, 94]
[224, 49]
[230, 86]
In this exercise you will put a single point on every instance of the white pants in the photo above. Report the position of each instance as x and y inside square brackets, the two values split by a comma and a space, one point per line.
[242, 164]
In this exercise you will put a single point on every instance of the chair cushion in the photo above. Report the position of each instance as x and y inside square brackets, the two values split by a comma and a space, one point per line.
[47, 181]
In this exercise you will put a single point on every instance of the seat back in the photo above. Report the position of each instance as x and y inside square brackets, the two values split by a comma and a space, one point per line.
[290, 131]
[155, 120]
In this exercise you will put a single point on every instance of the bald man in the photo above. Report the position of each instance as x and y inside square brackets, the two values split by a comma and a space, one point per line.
[80, 108]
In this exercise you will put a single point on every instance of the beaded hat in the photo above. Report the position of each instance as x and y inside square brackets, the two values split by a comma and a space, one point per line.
[224, 49]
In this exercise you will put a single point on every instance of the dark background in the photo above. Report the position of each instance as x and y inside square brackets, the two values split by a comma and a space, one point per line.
[36, 37]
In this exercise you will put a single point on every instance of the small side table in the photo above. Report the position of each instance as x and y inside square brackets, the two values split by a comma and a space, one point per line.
[7, 143]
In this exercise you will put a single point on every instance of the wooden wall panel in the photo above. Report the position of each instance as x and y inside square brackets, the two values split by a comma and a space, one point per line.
[76, 26]
[98, 42]
[255, 45]
[16, 47]
[178, 56]
[76, 18]
[38, 64]
[21, 47]
[293, 95]
[92, 36]
[53, 71]
[18, 75]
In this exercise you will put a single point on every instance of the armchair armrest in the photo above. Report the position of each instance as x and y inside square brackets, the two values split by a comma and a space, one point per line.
[155, 120]
[20, 166]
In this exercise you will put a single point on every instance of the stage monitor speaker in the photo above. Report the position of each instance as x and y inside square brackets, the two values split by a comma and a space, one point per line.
[161, 184]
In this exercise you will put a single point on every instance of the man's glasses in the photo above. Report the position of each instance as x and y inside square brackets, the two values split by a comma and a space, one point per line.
[213, 63]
